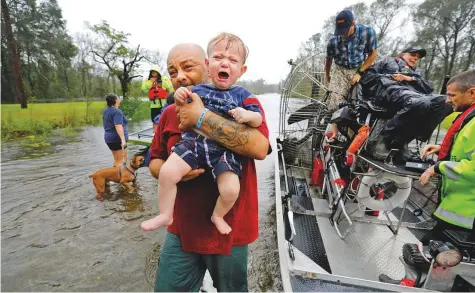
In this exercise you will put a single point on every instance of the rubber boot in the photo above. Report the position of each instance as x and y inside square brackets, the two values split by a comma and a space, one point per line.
[381, 149]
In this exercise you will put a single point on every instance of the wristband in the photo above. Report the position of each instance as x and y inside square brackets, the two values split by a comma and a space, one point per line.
[200, 120]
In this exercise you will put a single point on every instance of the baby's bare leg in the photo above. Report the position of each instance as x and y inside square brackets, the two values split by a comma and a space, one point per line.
[170, 174]
[228, 185]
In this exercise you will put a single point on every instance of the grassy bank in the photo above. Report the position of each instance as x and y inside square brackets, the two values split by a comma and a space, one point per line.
[41, 118]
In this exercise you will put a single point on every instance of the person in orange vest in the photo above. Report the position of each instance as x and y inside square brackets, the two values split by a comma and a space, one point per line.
[158, 87]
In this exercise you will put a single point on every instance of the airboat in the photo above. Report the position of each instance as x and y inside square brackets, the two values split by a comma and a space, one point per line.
[348, 222]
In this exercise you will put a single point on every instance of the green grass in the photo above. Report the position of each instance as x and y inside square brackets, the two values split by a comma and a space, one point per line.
[40, 119]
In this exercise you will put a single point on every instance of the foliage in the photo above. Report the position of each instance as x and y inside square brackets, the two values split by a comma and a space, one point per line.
[112, 50]
[54, 65]
[444, 28]
[135, 109]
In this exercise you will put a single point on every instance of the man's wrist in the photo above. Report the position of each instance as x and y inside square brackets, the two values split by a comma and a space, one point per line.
[201, 118]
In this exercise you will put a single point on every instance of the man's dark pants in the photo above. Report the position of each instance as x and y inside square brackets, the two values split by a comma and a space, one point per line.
[437, 233]
[416, 117]
[180, 271]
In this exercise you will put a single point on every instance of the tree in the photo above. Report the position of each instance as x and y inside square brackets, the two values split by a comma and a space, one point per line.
[446, 22]
[111, 50]
[157, 58]
[15, 58]
[84, 60]
[382, 15]
[469, 41]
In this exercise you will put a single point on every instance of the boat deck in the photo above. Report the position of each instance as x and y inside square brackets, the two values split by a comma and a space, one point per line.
[324, 262]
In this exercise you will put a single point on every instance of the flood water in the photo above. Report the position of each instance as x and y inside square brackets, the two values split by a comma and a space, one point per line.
[57, 237]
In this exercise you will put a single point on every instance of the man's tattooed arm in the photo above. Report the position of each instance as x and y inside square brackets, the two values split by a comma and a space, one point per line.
[228, 133]
[239, 138]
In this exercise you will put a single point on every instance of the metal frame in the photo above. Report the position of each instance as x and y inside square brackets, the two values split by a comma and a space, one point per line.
[355, 281]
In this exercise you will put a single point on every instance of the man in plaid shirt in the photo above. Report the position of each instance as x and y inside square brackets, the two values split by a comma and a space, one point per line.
[354, 48]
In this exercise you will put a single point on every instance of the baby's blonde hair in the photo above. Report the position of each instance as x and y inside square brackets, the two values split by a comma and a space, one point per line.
[231, 39]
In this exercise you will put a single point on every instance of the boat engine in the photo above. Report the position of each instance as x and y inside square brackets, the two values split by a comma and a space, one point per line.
[437, 263]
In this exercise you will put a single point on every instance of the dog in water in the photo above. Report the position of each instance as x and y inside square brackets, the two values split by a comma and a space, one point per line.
[122, 174]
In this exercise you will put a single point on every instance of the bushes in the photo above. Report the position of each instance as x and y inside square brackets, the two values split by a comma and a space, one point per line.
[135, 109]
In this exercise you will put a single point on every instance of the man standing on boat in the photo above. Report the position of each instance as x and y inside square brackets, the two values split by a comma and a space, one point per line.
[456, 162]
[354, 48]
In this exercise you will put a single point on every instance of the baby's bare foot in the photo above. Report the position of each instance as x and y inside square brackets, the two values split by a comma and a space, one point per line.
[157, 222]
[221, 225]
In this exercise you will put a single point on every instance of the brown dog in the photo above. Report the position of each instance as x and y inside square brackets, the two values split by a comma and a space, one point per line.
[122, 174]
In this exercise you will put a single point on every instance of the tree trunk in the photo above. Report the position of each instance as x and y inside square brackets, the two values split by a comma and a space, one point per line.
[429, 67]
[83, 80]
[19, 89]
[8, 89]
[125, 87]
[28, 72]
[113, 84]
[454, 53]
[89, 79]
[471, 53]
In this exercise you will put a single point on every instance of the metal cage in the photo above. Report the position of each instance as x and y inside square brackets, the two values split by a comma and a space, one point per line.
[302, 110]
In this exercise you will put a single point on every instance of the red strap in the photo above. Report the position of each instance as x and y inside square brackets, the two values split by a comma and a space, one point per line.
[453, 130]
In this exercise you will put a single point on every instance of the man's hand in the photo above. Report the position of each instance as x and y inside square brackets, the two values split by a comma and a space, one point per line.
[356, 78]
[189, 113]
[192, 174]
[430, 172]
[430, 149]
[401, 77]
[239, 114]
[181, 94]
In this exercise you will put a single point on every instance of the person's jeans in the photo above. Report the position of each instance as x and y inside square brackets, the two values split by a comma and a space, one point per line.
[184, 271]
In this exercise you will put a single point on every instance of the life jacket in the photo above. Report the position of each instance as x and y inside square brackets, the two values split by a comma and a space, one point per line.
[458, 124]
[157, 92]
[403, 67]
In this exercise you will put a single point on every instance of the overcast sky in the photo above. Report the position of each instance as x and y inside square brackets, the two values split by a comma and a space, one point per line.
[273, 30]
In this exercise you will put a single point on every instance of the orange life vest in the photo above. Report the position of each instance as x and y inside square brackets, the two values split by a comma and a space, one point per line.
[157, 92]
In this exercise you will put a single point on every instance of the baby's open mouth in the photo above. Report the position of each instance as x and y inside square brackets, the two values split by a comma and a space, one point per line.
[223, 75]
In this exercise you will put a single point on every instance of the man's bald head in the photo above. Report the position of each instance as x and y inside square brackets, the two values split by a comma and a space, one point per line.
[190, 48]
[186, 65]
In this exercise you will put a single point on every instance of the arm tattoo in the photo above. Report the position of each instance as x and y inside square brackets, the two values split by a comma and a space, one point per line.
[230, 134]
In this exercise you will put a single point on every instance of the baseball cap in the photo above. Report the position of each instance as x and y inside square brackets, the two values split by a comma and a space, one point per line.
[343, 22]
[419, 50]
